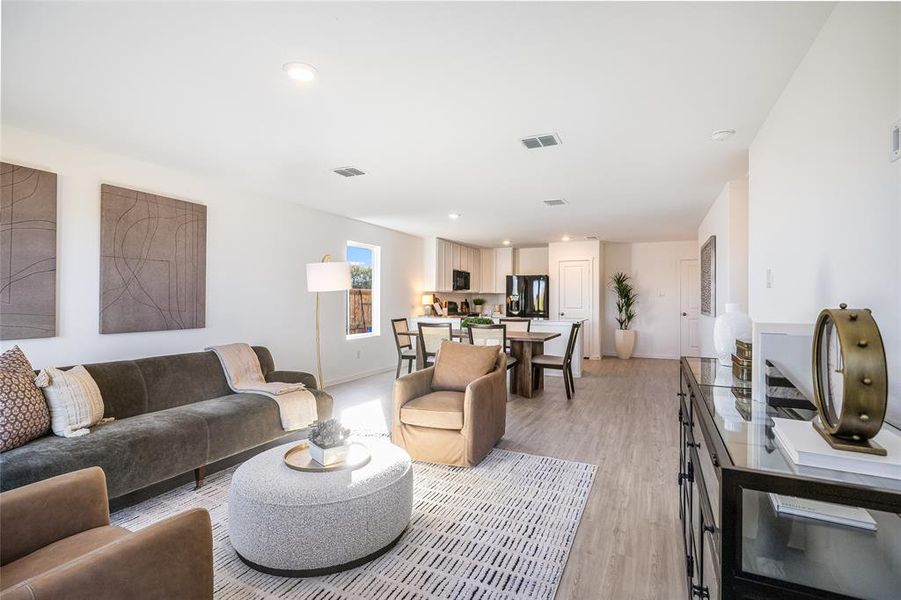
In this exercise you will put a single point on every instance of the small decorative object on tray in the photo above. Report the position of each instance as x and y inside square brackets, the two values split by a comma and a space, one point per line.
[743, 349]
[328, 442]
[298, 458]
[741, 360]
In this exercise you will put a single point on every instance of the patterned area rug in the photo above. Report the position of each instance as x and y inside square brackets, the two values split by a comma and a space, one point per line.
[501, 530]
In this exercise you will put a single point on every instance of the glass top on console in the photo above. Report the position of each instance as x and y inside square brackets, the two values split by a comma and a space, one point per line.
[746, 427]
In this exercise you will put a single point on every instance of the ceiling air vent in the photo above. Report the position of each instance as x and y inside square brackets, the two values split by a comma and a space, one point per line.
[558, 202]
[541, 141]
[591, 238]
[349, 172]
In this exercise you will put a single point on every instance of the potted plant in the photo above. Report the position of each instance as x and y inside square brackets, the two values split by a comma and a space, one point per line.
[626, 299]
[479, 303]
[328, 442]
[467, 321]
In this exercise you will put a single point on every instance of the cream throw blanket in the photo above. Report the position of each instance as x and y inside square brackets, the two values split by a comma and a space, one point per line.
[296, 405]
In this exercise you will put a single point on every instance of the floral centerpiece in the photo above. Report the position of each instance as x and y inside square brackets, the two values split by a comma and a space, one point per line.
[328, 442]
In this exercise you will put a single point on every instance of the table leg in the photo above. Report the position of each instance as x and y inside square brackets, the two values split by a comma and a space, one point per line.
[522, 351]
[538, 379]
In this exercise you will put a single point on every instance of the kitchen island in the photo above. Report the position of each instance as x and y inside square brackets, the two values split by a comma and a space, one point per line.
[555, 346]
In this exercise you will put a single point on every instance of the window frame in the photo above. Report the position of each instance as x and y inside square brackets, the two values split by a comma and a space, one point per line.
[376, 293]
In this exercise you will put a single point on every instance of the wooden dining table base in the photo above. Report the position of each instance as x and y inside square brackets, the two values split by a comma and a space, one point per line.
[523, 351]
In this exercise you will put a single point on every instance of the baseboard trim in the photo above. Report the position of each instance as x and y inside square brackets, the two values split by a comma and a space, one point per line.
[657, 356]
[364, 374]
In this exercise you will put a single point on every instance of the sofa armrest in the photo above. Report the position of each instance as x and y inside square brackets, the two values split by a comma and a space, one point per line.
[38, 514]
[169, 559]
[406, 388]
[308, 379]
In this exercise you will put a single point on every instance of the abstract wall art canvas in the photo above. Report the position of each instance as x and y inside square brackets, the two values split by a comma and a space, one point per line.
[27, 253]
[153, 262]
[708, 277]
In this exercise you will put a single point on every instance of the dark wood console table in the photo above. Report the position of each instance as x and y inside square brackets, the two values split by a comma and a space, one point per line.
[736, 544]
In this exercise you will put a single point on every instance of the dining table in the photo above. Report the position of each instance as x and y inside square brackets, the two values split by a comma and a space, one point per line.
[523, 346]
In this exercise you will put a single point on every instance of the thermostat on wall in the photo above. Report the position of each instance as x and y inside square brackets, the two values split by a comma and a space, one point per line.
[896, 140]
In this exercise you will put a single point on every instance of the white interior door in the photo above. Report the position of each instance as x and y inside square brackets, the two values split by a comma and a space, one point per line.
[689, 307]
[574, 294]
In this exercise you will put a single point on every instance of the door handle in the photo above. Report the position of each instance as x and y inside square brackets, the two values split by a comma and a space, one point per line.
[562, 314]
[684, 314]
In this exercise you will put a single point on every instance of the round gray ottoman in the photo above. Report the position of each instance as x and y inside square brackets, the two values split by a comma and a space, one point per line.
[296, 524]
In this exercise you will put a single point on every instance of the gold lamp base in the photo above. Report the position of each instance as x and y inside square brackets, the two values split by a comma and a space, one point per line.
[865, 446]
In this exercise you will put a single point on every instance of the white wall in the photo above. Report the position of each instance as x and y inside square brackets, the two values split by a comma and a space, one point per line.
[727, 219]
[824, 198]
[654, 267]
[530, 261]
[581, 250]
[256, 252]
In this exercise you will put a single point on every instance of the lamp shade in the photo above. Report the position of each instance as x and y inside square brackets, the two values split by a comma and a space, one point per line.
[328, 276]
[426, 299]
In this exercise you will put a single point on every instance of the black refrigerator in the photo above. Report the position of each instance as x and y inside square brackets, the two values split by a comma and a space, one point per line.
[527, 296]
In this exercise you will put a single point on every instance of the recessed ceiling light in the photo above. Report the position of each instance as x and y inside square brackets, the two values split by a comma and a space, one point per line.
[454, 215]
[506, 242]
[299, 71]
[565, 238]
[722, 135]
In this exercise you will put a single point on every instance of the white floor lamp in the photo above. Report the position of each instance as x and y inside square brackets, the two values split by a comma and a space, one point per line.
[326, 276]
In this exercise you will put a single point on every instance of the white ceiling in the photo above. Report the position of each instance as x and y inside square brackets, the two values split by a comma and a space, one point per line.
[430, 99]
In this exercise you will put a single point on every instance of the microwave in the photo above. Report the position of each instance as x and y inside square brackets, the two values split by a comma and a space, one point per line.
[461, 280]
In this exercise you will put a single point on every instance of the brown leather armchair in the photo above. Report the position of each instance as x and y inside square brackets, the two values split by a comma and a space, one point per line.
[56, 541]
[455, 412]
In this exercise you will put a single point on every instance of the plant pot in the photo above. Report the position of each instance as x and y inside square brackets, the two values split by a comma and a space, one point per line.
[328, 456]
[728, 327]
[625, 343]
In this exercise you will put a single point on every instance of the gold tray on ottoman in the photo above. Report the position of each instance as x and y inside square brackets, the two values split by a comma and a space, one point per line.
[298, 458]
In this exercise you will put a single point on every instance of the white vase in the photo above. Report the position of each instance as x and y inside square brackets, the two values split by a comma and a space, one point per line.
[328, 456]
[730, 326]
[625, 343]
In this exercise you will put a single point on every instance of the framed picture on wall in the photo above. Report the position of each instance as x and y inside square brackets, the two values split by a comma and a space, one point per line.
[708, 277]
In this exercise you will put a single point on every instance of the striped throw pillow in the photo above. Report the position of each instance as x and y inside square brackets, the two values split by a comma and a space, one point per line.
[74, 400]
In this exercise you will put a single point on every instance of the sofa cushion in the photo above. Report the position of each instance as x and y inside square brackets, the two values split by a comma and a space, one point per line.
[237, 422]
[134, 452]
[59, 553]
[74, 400]
[458, 365]
[23, 411]
[438, 410]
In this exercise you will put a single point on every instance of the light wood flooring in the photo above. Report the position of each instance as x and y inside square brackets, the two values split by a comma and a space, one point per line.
[623, 419]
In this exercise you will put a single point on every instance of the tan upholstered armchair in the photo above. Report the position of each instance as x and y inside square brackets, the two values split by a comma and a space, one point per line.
[455, 412]
[56, 541]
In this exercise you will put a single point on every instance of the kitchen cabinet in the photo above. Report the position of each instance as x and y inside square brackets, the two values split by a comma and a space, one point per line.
[503, 266]
[487, 262]
[443, 257]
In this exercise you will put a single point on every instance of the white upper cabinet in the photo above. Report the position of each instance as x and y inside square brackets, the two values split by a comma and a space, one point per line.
[503, 266]
[442, 258]
[488, 258]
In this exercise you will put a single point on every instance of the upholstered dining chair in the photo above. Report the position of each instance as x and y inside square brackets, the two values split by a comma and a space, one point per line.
[404, 343]
[494, 335]
[561, 363]
[430, 337]
[454, 412]
[515, 324]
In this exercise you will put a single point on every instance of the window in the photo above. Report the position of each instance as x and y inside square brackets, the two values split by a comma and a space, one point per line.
[363, 297]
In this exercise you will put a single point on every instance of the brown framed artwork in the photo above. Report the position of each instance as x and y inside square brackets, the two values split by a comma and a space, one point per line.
[708, 277]
[27, 253]
[153, 262]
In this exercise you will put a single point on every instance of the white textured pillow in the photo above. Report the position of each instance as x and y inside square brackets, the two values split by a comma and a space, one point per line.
[74, 400]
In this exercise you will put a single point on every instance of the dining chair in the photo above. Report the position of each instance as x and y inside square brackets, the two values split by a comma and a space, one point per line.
[430, 337]
[515, 324]
[494, 335]
[561, 363]
[404, 343]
